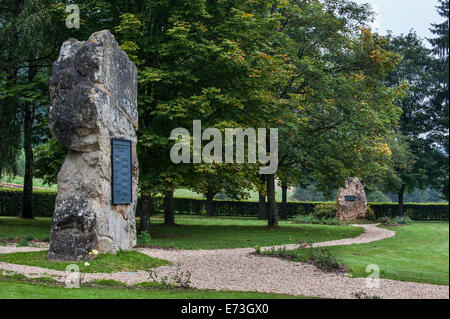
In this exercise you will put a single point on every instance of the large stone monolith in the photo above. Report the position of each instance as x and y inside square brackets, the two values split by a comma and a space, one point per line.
[352, 200]
[93, 90]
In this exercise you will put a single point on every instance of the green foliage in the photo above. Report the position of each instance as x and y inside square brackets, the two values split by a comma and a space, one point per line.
[370, 214]
[321, 257]
[48, 159]
[306, 219]
[144, 238]
[325, 210]
[11, 202]
[414, 211]
[44, 201]
[438, 122]
[312, 219]
[398, 220]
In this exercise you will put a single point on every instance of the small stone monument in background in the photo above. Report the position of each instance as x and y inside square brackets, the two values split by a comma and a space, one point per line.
[351, 200]
[93, 90]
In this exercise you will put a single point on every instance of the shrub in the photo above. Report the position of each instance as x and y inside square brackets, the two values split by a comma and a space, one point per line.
[23, 243]
[370, 214]
[384, 220]
[401, 220]
[144, 238]
[11, 202]
[305, 219]
[325, 210]
[323, 258]
[312, 219]
[329, 221]
[396, 220]
[44, 202]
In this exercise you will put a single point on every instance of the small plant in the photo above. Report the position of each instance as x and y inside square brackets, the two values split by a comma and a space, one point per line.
[181, 279]
[370, 214]
[398, 220]
[405, 220]
[320, 256]
[46, 239]
[258, 250]
[23, 243]
[144, 238]
[312, 219]
[325, 210]
[384, 220]
[329, 221]
[362, 295]
[29, 238]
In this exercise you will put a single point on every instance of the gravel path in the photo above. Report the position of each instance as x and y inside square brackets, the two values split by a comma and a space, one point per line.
[237, 269]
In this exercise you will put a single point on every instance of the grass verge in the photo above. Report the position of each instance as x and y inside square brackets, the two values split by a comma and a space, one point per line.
[104, 263]
[419, 253]
[13, 289]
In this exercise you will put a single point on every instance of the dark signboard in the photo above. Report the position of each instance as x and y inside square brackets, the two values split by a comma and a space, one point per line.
[121, 171]
[350, 198]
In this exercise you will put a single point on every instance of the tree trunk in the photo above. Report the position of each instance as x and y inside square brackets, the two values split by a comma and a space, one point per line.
[147, 210]
[209, 203]
[283, 200]
[262, 201]
[272, 204]
[169, 213]
[400, 201]
[27, 206]
[262, 206]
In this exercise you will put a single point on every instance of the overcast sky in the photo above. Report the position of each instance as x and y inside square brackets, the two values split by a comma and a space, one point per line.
[400, 16]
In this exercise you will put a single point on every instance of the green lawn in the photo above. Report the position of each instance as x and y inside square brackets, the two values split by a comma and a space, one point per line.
[233, 233]
[10, 289]
[37, 182]
[104, 263]
[202, 233]
[419, 252]
[18, 228]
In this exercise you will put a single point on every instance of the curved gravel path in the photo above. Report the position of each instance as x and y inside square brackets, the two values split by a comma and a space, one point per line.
[237, 269]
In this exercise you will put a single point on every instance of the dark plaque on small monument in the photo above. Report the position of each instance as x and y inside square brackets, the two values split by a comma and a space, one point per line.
[121, 171]
[350, 198]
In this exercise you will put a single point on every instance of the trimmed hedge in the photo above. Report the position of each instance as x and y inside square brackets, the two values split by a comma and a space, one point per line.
[11, 202]
[413, 211]
[44, 201]
[196, 206]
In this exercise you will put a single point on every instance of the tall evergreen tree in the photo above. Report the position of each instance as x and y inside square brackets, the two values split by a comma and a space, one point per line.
[439, 106]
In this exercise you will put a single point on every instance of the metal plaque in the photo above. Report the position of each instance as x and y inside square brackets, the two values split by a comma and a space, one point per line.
[350, 198]
[121, 171]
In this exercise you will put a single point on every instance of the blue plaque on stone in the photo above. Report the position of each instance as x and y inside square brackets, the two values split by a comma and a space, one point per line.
[350, 198]
[121, 171]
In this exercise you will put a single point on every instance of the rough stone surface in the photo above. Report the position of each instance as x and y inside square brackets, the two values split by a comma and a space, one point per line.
[93, 89]
[352, 209]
